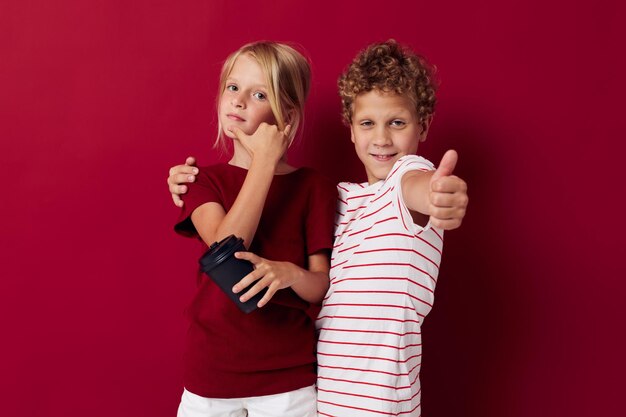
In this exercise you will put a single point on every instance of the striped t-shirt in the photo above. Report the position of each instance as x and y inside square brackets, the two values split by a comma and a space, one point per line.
[382, 280]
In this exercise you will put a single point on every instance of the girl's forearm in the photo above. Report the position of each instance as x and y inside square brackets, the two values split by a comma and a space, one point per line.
[213, 223]
[311, 286]
[243, 217]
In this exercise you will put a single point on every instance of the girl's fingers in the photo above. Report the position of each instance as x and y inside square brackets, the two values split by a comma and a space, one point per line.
[271, 290]
[247, 280]
[249, 256]
[255, 275]
[256, 288]
[239, 134]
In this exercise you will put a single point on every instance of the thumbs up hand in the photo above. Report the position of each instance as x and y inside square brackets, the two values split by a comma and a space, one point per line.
[448, 194]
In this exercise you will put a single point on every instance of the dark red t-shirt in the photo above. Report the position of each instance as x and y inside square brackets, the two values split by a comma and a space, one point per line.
[230, 354]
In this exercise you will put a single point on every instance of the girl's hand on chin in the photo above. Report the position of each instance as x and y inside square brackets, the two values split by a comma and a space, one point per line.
[267, 143]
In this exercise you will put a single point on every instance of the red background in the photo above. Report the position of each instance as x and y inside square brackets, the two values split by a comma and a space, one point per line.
[98, 98]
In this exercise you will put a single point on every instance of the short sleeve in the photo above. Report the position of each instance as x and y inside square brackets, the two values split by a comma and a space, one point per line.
[204, 190]
[320, 219]
[402, 166]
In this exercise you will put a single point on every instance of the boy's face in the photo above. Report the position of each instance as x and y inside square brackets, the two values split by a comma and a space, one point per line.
[385, 127]
[244, 102]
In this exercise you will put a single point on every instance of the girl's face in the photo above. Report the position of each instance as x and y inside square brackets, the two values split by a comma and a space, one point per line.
[244, 102]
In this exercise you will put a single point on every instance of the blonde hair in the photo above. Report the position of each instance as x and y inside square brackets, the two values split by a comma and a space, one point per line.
[288, 77]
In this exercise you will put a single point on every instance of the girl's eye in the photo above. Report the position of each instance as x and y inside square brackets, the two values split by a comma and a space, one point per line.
[231, 87]
[259, 96]
[367, 123]
[397, 123]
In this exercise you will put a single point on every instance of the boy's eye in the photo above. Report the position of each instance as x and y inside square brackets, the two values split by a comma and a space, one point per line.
[397, 123]
[367, 123]
[259, 95]
[231, 87]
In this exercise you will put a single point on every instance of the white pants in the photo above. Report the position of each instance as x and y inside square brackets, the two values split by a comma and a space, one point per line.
[298, 403]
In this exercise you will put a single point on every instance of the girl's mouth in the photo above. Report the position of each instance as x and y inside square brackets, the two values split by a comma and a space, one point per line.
[234, 117]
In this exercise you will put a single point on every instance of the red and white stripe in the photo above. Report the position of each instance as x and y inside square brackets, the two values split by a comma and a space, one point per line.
[383, 276]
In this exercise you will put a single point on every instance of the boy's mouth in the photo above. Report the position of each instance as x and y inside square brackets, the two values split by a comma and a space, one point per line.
[383, 157]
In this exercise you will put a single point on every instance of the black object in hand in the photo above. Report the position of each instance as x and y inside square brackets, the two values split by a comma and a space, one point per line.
[220, 264]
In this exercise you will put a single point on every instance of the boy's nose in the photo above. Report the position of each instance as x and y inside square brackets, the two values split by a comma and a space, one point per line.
[382, 138]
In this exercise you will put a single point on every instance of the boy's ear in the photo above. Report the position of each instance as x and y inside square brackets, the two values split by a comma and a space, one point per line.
[425, 125]
[352, 134]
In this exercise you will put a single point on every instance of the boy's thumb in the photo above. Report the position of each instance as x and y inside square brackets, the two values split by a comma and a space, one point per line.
[446, 166]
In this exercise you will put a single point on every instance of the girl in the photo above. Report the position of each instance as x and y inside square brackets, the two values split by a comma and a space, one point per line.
[262, 363]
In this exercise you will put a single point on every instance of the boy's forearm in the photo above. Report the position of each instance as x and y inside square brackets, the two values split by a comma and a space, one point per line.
[416, 189]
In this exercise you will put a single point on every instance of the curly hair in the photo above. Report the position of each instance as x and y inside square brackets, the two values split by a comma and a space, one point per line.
[389, 67]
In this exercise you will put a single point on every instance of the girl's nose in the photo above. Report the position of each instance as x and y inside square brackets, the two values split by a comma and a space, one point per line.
[237, 102]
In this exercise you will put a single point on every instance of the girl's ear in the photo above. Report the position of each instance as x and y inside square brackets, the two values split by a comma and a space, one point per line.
[290, 116]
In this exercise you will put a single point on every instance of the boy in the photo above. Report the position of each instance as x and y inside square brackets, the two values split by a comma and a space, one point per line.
[386, 257]
[387, 250]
